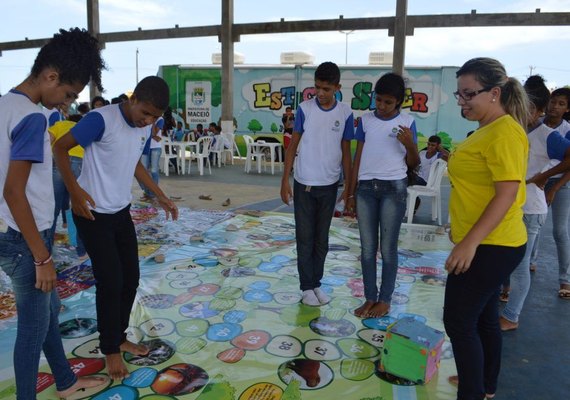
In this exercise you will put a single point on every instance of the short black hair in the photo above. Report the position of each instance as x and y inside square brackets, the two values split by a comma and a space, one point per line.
[75, 55]
[153, 90]
[96, 99]
[83, 108]
[537, 92]
[434, 139]
[328, 72]
[116, 100]
[391, 84]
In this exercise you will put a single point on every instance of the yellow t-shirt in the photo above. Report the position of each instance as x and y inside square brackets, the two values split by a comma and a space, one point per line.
[495, 153]
[59, 129]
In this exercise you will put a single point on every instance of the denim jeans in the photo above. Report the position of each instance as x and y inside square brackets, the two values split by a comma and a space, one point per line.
[61, 196]
[111, 243]
[520, 278]
[560, 219]
[314, 208]
[471, 318]
[151, 162]
[38, 325]
[380, 206]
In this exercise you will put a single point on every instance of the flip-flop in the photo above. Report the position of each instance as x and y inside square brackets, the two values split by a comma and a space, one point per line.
[205, 197]
[227, 202]
[564, 294]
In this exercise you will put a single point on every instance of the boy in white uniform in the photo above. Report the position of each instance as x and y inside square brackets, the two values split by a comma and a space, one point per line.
[113, 137]
[323, 129]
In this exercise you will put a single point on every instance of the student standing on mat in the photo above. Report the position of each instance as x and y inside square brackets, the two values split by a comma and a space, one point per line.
[113, 138]
[61, 70]
[323, 130]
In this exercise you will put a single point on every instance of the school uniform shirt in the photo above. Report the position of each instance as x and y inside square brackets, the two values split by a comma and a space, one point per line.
[113, 147]
[383, 156]
[547, 146]
[319, 158]
[564, 129]
[24, 137]
[426, 163]
[497, 152]
[153, 143]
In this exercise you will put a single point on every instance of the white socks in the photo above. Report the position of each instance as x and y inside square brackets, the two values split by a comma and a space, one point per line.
[315, 298]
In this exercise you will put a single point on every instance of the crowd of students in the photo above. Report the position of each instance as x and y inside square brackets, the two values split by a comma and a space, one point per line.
[495, 216]
[488, 174]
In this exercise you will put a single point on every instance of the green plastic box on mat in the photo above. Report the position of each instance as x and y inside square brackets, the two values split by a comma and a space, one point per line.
[412, 350]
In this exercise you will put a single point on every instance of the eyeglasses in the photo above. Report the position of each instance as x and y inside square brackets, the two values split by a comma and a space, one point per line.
[469, 95]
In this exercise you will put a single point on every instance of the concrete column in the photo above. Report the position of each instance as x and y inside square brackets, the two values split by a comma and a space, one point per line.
[94, 30]
[400, 36]
[227, 40]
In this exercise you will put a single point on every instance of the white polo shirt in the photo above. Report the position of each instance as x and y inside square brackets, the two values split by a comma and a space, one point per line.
[383, 156]
[113, 148]
[319, 160]
[24, 136]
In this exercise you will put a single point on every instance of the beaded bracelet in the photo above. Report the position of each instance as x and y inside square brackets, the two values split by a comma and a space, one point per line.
[44, 262]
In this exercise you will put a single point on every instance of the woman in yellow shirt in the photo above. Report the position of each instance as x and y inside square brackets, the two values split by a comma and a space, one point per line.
[487, 174]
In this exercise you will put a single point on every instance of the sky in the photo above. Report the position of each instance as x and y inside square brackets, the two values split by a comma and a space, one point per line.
[523, 50]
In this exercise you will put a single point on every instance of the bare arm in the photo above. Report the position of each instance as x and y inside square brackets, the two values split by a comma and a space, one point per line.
[412, 155]
[290, 154]
[142, 175]
[346, 167]
[14, 193]
[460, 258]
[551, 192]
[351, 199]
[541, 179]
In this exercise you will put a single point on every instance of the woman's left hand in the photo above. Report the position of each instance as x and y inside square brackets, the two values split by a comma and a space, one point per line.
[405, 136]
[459, 260]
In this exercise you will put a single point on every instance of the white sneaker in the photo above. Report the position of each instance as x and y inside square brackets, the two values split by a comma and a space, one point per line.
[310, 299]
[322, 296]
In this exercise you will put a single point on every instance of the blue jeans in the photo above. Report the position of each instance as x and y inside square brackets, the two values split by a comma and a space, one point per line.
[38, 325]
[380, 205]
[61, 196]
[520, 278]
[560, 219]
[314, 208]
[471, 318]
[151, 162]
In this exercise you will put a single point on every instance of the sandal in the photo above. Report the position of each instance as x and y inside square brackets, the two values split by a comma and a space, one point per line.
[205, 197]
[504, 296]
[564, 294]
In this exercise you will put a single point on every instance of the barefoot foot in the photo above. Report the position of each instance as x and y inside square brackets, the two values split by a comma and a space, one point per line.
[134, 348]
[116, 368]
[379, 310]
[362, 311]
[84, 382]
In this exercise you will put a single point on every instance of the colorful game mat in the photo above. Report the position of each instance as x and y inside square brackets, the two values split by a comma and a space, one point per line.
[219, 307]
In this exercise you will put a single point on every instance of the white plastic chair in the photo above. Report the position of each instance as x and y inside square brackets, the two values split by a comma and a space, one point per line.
[228, 138]
[168, 153]
[202, 154]
[432, 189]
[253, 151]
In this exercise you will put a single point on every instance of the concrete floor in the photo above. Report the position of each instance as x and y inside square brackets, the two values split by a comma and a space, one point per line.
[536, 357]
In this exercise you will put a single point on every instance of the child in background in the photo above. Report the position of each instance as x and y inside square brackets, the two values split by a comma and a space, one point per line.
[113, 138]
[323, 131]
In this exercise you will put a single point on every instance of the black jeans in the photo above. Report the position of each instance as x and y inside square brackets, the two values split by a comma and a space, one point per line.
[111, 242]
[314, 208]
[471, 318]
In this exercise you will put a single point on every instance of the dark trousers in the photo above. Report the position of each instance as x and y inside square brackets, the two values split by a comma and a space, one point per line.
[471, 318]
[314, 208]
[111, 242]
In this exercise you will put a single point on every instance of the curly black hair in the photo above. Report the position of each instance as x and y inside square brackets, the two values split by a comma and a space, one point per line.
[75, 55]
